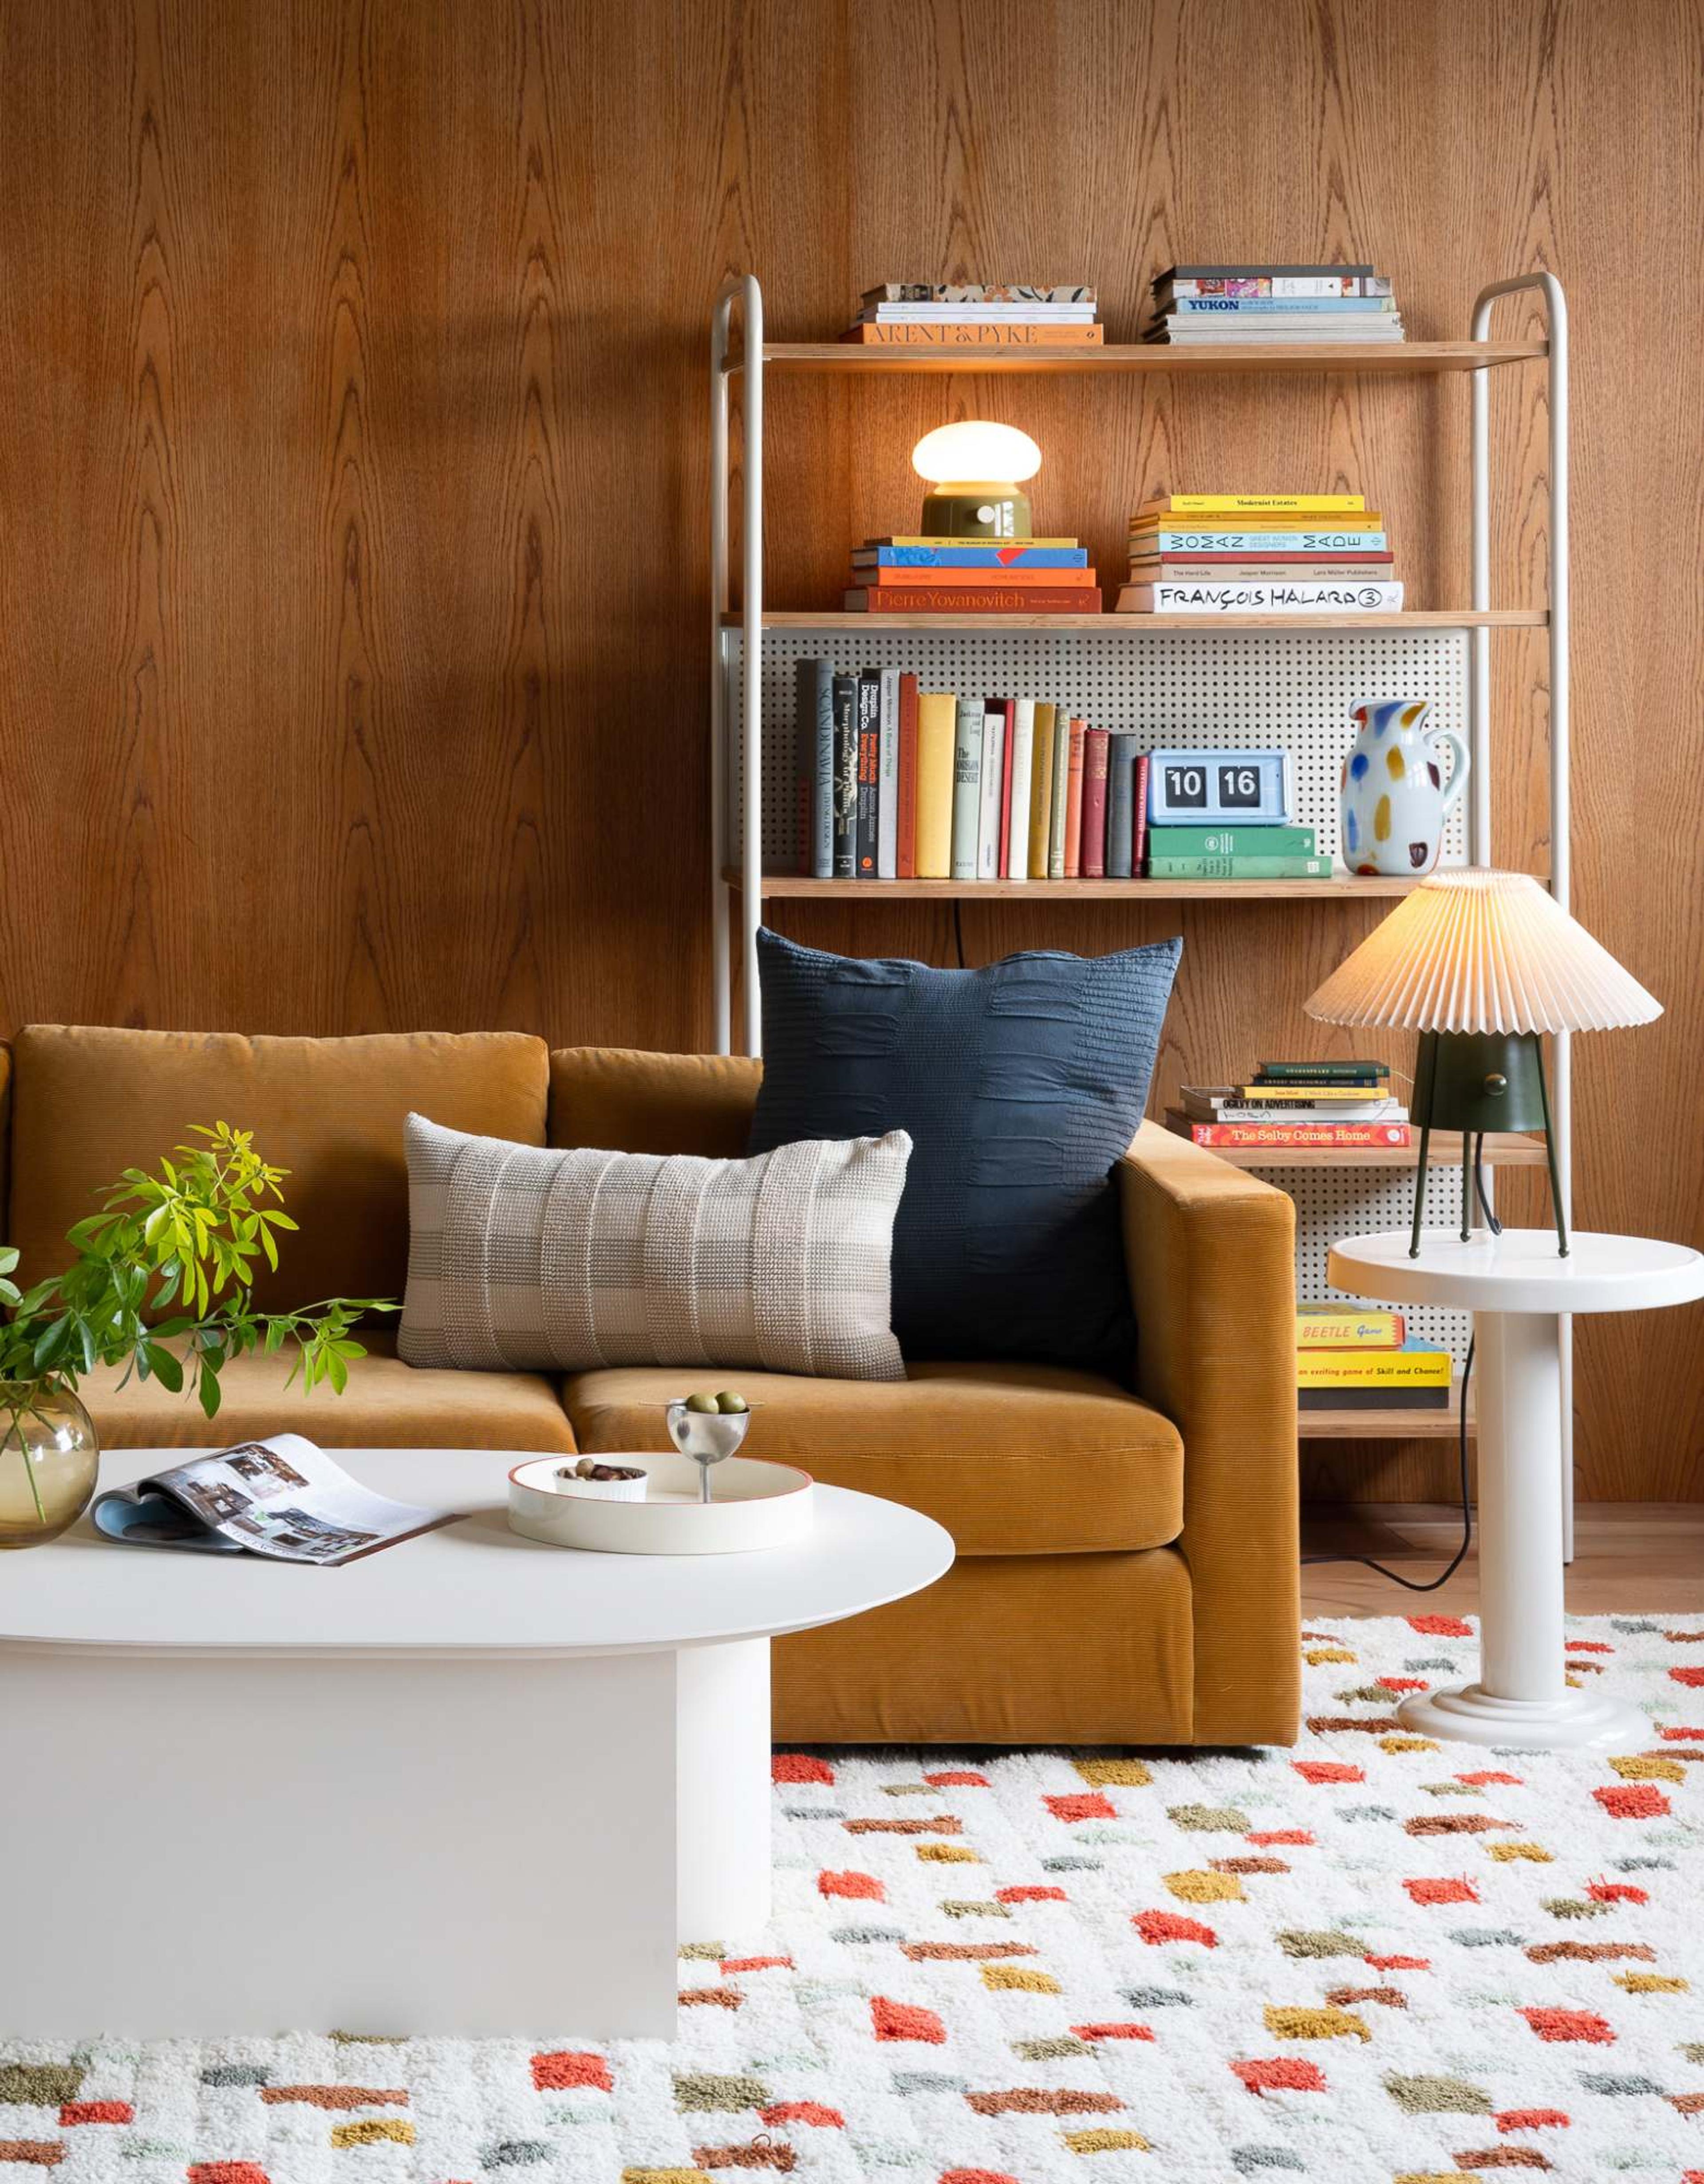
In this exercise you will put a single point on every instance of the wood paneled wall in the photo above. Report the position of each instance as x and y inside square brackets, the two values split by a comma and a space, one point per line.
[353, 461]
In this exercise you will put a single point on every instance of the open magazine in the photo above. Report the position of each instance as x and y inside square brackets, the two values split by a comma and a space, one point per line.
[282, 1496]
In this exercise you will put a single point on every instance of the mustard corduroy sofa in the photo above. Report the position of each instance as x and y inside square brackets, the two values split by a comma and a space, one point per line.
[1127, 1561]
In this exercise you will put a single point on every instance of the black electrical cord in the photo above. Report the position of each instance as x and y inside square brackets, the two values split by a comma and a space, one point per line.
[1431, 1584]
[959, 929]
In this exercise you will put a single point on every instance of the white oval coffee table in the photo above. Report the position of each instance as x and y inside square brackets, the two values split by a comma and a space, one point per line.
[1517, 1286]
[470, 1785]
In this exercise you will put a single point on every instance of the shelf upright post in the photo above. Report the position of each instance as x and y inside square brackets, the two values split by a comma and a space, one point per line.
[1561, 1102]
[741, 289]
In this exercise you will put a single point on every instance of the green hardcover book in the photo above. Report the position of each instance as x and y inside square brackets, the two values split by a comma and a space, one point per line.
[1239, 868]
[1231, 842]
[1323, 1072]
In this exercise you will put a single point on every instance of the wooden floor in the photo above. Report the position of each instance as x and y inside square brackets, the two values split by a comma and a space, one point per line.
[1631, 1558]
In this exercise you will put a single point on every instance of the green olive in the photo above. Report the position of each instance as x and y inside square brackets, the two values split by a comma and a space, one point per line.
[702, 1403]
[731, 1402]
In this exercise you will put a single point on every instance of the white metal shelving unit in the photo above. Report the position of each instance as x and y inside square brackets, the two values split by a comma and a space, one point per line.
[1188, 680]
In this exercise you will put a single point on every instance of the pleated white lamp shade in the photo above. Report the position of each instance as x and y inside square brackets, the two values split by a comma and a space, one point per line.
[1477, 950]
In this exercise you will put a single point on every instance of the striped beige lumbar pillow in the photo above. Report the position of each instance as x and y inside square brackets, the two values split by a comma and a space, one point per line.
[523, 1257]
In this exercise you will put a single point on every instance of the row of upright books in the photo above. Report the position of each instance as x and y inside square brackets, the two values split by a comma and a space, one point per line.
[897, 783]
[952, 576]
[976, 314]
[1351, 1360]
[1221, 306]
[1250, 553]
[1289, 1105]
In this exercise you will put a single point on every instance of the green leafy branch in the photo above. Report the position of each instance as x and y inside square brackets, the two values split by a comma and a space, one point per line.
[192, 1235]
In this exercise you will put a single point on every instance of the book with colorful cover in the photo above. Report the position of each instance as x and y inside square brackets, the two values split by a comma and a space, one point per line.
[956, 555]
[1073, 799]
[868, 770]
[1326, 1092]
[982, 292]
[1238, 868]
[1259, 534]
[907, 777]
[1230, 503]
[963, 334]
[937, 716]
[992, 599]
[1413, 1366]
[1187, 306]
[1276, 1137]
[1095, 760]
[989, 545]
[845, 703]
[1243, 272]
[1243, 839]
[1340, 1327]
[1075, 580]
[1139, 853]
[1273, 284]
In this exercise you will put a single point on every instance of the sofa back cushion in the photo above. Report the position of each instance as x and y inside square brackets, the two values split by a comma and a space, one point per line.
[89, 1103]
[635, 1102]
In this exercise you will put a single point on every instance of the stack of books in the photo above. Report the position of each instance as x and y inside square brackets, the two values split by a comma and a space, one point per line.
[899, 783]
[1329, 1104]
[955, 576]
[1350, 1360]
[1252, 850]
[1204, 306]
[1259, 553]
[976, 314]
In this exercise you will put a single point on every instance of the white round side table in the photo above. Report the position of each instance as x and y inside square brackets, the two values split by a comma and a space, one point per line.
[1517, 1286]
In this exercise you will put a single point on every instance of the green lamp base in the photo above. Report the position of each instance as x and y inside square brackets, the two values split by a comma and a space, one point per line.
[1478, 1081]
[968, 508]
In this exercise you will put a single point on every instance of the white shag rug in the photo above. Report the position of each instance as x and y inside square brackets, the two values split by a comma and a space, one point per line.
[1371, 1957]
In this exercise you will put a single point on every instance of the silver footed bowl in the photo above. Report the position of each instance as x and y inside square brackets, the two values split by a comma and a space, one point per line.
[708, 1436]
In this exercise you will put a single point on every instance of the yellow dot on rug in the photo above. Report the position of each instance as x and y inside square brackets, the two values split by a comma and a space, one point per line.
[947, 1854]
[1533, 1854]
[1408, 1744]
[1127, 1774]
[1648, 1767]
[1651, 1983]
[373, 2132]
[1295, 2021]
[1101, 2140]
[999, 1977]
[1196, 1887]
[664, 2177]
[1317, 1656]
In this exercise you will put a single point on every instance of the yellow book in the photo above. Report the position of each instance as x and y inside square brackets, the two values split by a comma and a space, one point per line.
[1311, 1096]
[1202, 503]
[918, 540]
[937, 715]
[1040, 790]
[1337, 1327]
[1369, 519]
[1373, 1368]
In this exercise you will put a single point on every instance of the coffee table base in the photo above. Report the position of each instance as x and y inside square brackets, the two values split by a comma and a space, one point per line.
[1577, 1721]
[207, 1845]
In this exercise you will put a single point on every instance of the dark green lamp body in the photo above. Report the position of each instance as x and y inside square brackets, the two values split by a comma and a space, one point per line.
[1474, 1081]
[969, 510]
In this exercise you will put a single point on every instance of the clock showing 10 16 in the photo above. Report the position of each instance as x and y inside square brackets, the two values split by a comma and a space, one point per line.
[1257, 786]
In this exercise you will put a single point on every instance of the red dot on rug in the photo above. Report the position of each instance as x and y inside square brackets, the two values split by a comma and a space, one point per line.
[1632, 1801]
[799, 1767]
[1398, 1963]
[1088, 1805]
[1113, 2031]
[77, 2112]
[1440, 1626]
[905, 2020]
[976, 2177]
[1571, 2025]
[1328, 1770]
[1030, 1895]
[1531, 2119]
[554, 2071]
[1281, 2073]
[1265, 1838]
[1442, 1892]
[1404, 1683]
[957, 1778]
[226, 2172]
[1692, 1677]
[1485, 1774]
[1616, 1891]
[861, 1884]
[1157, 1926]
[811, 2112]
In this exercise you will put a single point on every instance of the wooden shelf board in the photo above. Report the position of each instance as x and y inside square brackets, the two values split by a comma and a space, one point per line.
[1400, 357]
[777, 886]
[1386, 1425]
[1143, 625]
[1503, 1149]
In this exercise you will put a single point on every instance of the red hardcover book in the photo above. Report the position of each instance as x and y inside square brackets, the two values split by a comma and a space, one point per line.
[1390, 1136]
[999, 599]
[1094, 804]
[1138, 848]
[905, 854]
[1074, 802]
[1002, 863]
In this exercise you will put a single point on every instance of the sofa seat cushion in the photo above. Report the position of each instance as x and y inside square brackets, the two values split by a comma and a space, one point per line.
[387, 1405]
[1012, 1459]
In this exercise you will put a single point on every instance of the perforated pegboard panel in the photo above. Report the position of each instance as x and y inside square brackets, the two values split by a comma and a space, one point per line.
[1290, 689]
[1337, 1201]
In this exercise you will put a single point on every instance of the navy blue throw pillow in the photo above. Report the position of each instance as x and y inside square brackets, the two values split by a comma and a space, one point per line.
[1020, 1084]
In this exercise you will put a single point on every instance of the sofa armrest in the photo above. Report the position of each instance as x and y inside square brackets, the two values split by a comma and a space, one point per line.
[1210, 1252]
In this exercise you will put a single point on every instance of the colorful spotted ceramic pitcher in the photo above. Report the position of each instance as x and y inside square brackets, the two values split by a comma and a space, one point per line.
[1394, 802]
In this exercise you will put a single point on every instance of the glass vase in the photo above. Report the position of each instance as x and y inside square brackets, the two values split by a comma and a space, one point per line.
[49, 1460]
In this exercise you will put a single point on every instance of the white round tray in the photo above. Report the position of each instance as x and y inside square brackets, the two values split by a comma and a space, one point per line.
[757, 1505]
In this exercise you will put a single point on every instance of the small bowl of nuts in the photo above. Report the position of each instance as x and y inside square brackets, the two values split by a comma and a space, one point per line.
[709, 1428]
[594, 1481]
